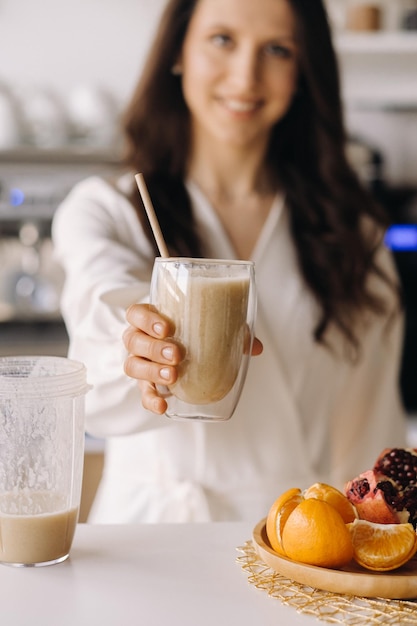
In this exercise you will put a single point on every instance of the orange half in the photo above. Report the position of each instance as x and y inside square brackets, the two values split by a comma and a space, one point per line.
[382, 547]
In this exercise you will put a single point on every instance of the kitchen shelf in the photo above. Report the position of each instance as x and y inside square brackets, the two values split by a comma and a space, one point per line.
[389, 103]
[379, 70]
[377, 43]
[66, 155]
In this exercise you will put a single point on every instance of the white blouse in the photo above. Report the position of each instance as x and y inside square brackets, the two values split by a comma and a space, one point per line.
[305, 414]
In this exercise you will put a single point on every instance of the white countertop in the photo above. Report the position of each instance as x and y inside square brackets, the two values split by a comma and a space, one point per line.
[144, 575]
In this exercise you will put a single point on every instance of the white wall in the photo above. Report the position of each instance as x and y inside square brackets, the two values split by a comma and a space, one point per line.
[64, 43]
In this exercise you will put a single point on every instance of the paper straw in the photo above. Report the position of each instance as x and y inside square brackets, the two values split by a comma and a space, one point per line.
[150, 211]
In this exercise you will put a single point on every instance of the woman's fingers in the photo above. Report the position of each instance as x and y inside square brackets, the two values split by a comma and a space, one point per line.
[151, 359]
[143, 369]
[151, 400]
[138, 343]
[257, 347]
[145, 318]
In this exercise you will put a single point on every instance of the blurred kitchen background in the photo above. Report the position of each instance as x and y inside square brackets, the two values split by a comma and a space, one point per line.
[68, 68]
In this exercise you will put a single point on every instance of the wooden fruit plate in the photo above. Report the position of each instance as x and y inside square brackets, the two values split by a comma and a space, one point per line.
[351, 579]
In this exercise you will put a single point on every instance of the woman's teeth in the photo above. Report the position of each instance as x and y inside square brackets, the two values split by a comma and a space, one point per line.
[241, 107]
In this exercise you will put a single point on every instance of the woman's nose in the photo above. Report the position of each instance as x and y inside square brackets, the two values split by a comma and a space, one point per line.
[244, 68]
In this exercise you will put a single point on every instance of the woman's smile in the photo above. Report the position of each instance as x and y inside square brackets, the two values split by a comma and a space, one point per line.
[239, 106]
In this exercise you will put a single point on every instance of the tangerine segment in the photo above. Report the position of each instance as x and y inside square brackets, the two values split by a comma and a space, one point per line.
[315, 533]
[382, 547]
[331, 495]
[278, 515]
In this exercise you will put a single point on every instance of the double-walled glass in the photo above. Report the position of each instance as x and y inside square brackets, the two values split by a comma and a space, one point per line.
[212, 305]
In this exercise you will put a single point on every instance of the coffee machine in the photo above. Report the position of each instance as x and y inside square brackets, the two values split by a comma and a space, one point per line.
[31, 188]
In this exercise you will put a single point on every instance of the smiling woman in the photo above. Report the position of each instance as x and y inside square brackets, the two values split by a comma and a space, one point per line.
[238, 82]
[237, 127]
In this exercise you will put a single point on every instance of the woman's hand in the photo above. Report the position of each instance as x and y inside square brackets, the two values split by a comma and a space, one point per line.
[152, 359]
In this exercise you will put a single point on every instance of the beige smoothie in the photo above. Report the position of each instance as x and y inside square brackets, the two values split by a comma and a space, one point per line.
[209, 314]
[40, 534]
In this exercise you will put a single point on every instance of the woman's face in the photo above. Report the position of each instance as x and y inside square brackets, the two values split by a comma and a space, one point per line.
[239, 69]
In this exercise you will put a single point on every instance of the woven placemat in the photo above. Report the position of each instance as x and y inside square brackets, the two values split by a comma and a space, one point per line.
[325, 606]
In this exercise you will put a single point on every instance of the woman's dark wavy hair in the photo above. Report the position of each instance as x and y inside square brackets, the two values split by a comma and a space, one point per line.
[306, 155]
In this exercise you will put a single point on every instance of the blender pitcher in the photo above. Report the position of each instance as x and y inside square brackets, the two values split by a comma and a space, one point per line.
[41, 457]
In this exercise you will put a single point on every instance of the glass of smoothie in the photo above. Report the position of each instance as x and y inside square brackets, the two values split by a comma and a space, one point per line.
[41, 457]
[211, 304]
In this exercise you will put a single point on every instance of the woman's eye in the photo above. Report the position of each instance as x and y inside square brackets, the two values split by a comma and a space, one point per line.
[221, 40]
[278, 50]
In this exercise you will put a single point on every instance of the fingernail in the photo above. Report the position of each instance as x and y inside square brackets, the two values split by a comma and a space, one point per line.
[167, 353]
[165, 373]
[157, 328]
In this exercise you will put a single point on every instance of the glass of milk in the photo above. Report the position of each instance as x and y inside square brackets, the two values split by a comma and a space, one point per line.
[41, 457]
[211, 304]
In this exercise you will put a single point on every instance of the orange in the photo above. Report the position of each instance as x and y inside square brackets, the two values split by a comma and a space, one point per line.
[278, 515]
[315, 533]
[382, 547]
[333, 496]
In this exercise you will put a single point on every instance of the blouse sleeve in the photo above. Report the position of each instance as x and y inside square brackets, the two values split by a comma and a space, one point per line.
[107, 261]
